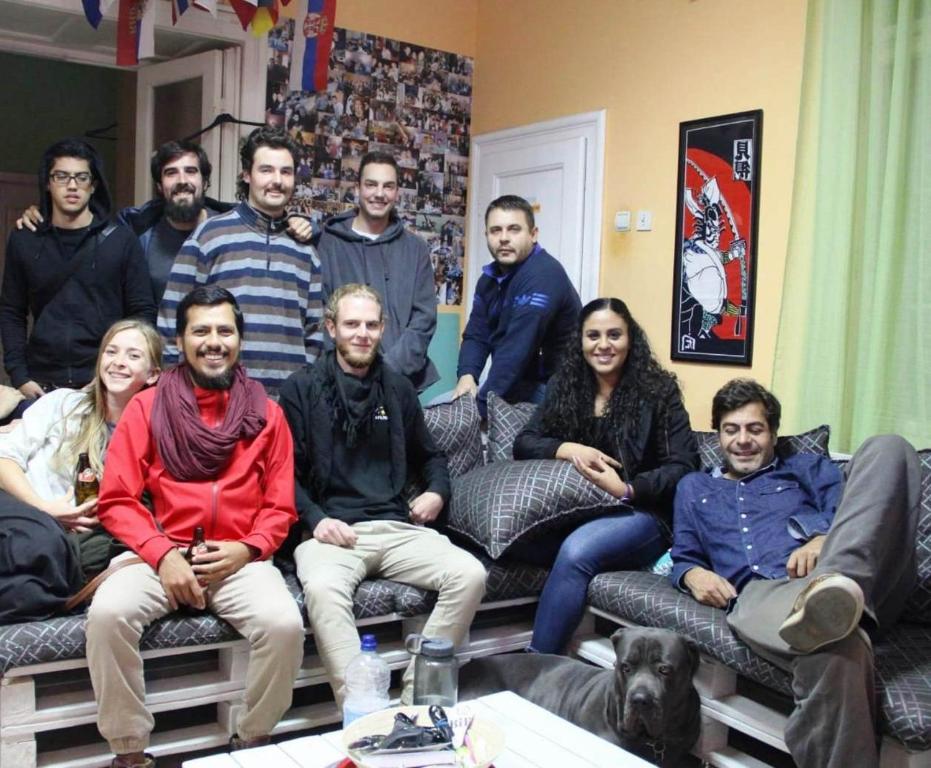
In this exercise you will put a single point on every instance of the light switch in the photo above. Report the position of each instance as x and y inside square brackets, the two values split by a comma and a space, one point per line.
[644, 221]
[622, 221]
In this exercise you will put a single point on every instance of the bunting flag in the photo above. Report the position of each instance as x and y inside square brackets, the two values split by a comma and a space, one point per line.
[94, 10]
[207, 5]
[135, 32]
[266, 17]
[245, 10]
[178, 7]
[310, 56]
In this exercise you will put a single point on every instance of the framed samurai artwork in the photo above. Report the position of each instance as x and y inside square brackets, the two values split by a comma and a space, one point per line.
[717, 216]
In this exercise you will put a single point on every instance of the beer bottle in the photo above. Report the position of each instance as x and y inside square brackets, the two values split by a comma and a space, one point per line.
[86, 484]
[198, 543]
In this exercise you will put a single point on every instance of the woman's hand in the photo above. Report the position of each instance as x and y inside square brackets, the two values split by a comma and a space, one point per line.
[80, 519]
[602, 471]
[585, 453]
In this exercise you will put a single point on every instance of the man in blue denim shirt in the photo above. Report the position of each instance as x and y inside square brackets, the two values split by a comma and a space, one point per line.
[804, 560]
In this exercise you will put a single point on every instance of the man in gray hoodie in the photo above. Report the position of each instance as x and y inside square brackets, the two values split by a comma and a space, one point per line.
[370, 245]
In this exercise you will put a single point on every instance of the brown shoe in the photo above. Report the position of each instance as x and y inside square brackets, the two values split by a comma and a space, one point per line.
[826, 611]
[130, 761]
[237, 743]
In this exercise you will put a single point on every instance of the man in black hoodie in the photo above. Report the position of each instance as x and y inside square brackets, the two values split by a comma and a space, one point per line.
[369, 245]
[75, 276]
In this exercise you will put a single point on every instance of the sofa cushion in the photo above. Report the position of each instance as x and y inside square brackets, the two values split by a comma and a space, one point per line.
[813, 441]
[455, 428]
[495, 505]
[505, 421]
[918, 607]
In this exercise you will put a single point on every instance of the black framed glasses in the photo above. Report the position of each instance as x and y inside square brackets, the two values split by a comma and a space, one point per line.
[81, 178]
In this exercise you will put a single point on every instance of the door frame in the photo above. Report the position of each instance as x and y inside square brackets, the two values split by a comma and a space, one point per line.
[589, 126]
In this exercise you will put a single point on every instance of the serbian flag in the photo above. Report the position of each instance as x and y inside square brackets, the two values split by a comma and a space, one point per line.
[245, 10]
[135, 32]
[178, 7]
[310, 56]
[94, 10]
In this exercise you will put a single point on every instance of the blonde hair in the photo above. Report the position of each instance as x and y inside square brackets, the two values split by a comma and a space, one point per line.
[348, 290]
[92, 433]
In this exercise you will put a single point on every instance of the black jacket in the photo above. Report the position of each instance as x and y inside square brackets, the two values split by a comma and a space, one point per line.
[663, 451]
[112, 282]
[413, 452]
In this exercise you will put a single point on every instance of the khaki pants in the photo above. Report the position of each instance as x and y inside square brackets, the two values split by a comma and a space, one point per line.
[254, 600]
[392, 550]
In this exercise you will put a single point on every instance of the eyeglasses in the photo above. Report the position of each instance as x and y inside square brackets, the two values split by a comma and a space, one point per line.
[82, 178]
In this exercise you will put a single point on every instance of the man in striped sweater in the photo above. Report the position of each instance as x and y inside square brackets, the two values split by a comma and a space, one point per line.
[249, 252]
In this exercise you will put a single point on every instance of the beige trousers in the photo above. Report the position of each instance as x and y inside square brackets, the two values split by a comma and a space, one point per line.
[392, 550]
[254, 600]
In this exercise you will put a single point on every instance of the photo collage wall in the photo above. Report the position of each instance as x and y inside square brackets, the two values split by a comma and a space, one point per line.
[382, 94]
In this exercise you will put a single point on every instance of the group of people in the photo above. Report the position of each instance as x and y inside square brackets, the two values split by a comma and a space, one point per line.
[283, 416]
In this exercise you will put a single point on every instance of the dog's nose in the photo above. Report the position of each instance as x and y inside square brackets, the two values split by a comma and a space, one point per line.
[642, 700]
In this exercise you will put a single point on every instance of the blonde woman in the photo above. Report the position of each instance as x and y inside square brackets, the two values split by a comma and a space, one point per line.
[38, 459]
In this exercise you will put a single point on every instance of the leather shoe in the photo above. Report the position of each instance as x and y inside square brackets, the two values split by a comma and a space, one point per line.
[826, 611]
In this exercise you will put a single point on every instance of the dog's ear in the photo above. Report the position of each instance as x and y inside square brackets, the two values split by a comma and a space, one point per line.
[694, 652]
[616, 639]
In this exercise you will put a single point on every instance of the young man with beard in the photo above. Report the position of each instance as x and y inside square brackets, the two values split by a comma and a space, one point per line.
[810, 564]
[181, 173]
[359, 438]
[74, 277]
[525, 309]
[249, 252]
[212, 450]
[371, 246]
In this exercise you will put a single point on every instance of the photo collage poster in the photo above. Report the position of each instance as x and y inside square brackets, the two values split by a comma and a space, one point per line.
[382, 94]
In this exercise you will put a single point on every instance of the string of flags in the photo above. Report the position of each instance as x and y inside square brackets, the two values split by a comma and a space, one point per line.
[313, 35]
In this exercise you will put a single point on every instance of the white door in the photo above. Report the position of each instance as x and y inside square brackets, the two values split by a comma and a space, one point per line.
[177, 98]
[558, 167]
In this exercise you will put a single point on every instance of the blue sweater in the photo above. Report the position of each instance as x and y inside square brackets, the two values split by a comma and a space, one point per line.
[276, 281]
[522, 318]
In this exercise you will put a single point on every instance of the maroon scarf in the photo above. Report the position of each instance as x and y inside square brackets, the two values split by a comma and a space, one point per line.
[189, 449]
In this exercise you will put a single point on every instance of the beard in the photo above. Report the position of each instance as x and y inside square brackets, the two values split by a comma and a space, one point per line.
[182, 211]
[357, 360]
[216, 381]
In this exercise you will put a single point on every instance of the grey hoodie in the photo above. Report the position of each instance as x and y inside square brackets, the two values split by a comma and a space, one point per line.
[397, 265]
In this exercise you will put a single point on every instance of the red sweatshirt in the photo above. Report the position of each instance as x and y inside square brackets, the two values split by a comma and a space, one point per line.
[251, 500]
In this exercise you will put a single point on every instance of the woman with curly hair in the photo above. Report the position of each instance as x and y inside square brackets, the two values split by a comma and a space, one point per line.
[617, 415]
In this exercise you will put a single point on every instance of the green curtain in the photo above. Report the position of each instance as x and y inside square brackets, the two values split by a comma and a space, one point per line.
[854, 342]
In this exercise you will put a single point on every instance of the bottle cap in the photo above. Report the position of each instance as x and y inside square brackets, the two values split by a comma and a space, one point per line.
[437, 647]
[369, 643]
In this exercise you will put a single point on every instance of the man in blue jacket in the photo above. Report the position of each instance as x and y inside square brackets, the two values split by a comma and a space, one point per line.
[525, 309]
[810, 564]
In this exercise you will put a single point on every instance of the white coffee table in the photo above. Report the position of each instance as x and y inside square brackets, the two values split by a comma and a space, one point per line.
[534, 737]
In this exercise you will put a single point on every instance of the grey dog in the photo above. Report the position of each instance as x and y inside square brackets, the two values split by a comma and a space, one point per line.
[647, 704]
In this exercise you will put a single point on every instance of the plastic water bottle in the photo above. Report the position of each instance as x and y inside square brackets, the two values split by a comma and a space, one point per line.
[367, 681]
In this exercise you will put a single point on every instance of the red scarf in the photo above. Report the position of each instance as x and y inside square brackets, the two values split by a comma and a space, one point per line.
[189, 449]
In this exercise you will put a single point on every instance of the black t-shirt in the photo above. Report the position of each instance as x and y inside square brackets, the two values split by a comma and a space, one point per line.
[160, 254]
[71, 239]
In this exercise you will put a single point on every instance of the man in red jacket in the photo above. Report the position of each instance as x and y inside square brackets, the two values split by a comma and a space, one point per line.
[212, 451]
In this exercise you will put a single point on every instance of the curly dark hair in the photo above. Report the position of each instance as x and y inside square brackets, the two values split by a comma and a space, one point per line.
[569, 407]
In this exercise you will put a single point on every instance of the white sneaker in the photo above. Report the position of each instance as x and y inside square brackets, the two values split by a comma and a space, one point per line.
[826, 611]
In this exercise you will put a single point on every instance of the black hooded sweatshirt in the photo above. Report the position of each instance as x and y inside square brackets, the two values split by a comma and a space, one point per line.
[73, 295]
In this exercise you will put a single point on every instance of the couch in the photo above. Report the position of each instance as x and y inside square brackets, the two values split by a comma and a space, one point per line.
[195, 664]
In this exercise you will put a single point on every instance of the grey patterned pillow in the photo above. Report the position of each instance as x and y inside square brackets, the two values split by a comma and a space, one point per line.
[918, 607]
[499, 503]
[813, 441]
[455, 428]
[505, 421]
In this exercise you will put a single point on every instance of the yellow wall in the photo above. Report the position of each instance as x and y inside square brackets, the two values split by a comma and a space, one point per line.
[653, 64]
[447, 25]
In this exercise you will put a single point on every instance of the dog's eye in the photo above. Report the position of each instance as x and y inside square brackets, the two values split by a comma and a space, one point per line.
[625, 668]
[664, 669]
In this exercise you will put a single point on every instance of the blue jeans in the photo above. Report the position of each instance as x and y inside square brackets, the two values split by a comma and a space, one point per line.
[619, 540]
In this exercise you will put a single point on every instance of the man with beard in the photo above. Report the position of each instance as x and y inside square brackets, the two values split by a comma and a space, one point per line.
[212, 451]
[810, 564]
[359, 439]
[248, 251]
[370, 245]
[73, 277]
[181, 173]
[525, 309]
